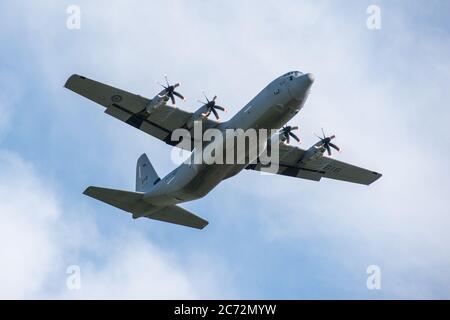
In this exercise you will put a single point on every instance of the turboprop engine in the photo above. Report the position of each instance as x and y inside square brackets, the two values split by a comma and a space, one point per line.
[168, 93]
[318, 149]
[209, 107]
[157, 101]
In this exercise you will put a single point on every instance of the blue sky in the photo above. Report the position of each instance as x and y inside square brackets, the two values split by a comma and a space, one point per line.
[384, 93]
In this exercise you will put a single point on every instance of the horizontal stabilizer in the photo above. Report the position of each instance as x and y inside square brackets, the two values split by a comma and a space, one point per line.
[133, 202]
[178, 215]
[125, 200]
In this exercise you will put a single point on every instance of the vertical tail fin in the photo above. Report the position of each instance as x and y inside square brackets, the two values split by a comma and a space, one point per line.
[146, 175]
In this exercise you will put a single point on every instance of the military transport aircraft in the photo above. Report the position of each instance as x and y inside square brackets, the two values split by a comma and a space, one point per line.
[272, 108]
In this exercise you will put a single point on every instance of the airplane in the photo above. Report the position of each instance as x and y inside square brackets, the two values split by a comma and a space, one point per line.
[159, 198]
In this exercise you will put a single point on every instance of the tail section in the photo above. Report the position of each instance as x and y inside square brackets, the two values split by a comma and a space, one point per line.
[178, 215]
[146, 175]
[134, 202]
[126, 200]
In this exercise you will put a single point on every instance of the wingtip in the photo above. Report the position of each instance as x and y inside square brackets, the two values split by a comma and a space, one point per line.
[88, 191]
[201, 227]
[69, 80]
[72, 79]
[377, 177]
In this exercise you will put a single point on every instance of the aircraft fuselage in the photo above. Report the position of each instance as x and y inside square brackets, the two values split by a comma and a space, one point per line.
[271, 108]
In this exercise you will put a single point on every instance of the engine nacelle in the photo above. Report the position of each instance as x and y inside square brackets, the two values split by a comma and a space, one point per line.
[158, 101]
[312, 154]
[196, 116]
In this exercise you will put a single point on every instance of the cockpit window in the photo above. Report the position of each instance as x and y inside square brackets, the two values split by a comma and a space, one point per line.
[294, 74]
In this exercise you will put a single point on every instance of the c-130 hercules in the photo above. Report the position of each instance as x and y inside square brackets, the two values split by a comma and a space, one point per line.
[271, 108]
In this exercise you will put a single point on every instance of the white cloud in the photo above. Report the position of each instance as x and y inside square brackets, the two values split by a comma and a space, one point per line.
[382, 93]
[29, 213]
[136, 269]
[40, 239]
[384, 120]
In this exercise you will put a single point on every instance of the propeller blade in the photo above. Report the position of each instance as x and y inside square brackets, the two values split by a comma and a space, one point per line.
[205, 96]
[167, 81]
[323, 134]
[169, 90]
[332, 137]
[215, 113]
[294, 136]
[287, 138]
[179, 95]
[328, 149]
[161, 85]
[211, 106]
[207, 113]
[334, 146]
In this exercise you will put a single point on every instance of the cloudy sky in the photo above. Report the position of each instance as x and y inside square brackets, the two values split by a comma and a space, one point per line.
[384, 93]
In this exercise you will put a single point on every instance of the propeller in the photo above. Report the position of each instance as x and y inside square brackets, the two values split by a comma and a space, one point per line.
[286, 131]
[326, 142]
[211, 106]
[169, 90]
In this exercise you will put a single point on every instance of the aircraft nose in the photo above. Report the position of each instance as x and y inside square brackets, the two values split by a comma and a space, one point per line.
[301, 85]
[310, 78]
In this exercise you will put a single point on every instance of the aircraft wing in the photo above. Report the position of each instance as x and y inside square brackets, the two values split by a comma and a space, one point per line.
[131, 109]
[325, 167]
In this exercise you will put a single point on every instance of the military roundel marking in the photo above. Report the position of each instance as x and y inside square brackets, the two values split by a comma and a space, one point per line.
[116, 98]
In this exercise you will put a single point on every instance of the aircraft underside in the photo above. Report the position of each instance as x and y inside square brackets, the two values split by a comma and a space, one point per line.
[157, 198]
